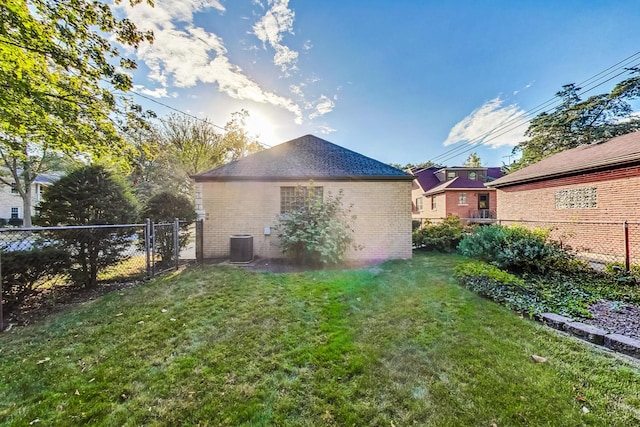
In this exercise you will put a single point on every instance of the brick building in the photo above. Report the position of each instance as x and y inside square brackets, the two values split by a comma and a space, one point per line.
[248, 196]
[440, 192]
[597, 184]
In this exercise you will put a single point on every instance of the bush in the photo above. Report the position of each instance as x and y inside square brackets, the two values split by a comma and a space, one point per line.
[518, 249]
[166, 207]
[24, 271]
[316, 232]
[505, 288]
[443, 237]
[16, 222]
[90, 195]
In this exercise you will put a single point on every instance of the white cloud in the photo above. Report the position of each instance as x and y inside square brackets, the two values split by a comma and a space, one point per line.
[325, 130]
[187, 55]
[492, 125]
[269, 29]
[322, 106]
[160, 92]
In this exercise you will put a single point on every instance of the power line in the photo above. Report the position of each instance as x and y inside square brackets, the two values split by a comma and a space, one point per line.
[512, 124]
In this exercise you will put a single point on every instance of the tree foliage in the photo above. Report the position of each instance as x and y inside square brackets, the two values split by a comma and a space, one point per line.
[90, 195]
[473, 161]
[316, 231]
[421, 165]
[59, 72]
[577, 122]
[182, 146]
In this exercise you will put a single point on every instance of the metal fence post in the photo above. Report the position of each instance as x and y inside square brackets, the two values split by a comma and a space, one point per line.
[153, 250]
[176, 240]
[627, 249]
[147, 246]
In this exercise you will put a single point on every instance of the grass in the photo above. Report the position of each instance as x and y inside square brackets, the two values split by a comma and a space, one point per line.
[394, 345]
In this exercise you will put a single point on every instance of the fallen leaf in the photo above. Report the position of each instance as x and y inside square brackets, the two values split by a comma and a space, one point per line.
[172, 319]
[36, 421]
[40, 362]
[119, 314]
[538, 359]
[581, 399]
[585, 410]
[164, 310]
[92, 380]
[141, 322]
[77, 393]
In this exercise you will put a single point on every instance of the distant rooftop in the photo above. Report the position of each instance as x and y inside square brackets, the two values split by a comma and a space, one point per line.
[307, 157]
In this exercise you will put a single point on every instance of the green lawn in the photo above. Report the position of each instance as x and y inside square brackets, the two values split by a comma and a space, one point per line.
[395, 345]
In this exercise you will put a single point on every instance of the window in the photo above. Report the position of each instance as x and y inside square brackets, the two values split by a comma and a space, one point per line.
[577, 198]
[433, 203]
[419, 204]
[15, 213]
[462, 198]
[473, 175]
[294, 197]
[451, 175]
[14, 189]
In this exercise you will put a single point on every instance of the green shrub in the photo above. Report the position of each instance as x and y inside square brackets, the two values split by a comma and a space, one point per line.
[89, 195]
[315, 232]
[505, 288]
[617, 271]
[3, 222]
[518, 249]
[24, 271]
[443, 237]
[166, 207]
[16, 222]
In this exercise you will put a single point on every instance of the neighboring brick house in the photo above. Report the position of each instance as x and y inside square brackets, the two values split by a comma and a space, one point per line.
[598, 183]
[11, 206]
[440, 192]
[247, 196]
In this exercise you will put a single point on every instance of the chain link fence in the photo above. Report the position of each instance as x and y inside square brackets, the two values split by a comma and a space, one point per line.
[599, 243]
[44, 262]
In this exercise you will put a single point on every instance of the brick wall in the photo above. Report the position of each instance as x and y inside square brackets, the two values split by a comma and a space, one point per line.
[595, 231]
[383, 210]
[618, 198]
[447, 204]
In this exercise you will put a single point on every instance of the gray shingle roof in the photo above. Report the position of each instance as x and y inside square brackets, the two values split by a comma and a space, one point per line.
[613, 153]
[307, 157]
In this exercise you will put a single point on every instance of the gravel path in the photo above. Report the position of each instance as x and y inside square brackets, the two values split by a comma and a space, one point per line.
[616, 317]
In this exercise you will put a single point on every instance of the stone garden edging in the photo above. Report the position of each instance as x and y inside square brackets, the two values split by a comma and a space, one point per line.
[616, 342]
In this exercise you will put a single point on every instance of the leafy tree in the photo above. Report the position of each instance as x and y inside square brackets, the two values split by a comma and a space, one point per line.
[186, 146]
[59, 71]
[166, 207]
[577, 122]
[316, 231]
[422, 165]
[90, 195]
[473, 161]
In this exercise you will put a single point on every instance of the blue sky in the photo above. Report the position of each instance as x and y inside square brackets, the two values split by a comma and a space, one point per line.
[400, 81]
